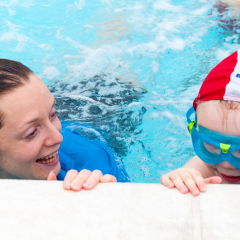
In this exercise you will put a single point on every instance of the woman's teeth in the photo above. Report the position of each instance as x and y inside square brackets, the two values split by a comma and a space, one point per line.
[48, 159]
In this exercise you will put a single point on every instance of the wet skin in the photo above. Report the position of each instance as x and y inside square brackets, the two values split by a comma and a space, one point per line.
[195, 174]
[31, 130]
[30, 138]
[214, 116]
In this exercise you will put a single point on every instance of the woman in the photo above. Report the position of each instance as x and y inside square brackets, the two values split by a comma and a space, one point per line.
[30, 132]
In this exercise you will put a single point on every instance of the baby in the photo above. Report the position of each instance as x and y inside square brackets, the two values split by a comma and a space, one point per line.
[215, 132]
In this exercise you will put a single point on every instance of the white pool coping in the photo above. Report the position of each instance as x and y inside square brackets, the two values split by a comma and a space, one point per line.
[43, 210]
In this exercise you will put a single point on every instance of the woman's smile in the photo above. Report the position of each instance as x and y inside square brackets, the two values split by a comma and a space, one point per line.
[49, 159]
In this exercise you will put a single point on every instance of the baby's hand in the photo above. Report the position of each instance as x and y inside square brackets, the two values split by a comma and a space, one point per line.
[84, 179]
[188, 180]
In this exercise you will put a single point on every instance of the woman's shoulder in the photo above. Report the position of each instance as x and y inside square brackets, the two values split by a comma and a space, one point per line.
[84, 153]
[79, 152]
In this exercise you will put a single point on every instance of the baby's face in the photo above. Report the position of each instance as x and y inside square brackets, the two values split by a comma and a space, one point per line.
[214, 116]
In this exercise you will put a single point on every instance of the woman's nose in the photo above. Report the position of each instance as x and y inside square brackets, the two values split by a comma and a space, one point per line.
[226, 164]
[54, 136]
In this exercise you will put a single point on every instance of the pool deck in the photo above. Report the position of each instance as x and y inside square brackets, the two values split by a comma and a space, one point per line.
[43, 210]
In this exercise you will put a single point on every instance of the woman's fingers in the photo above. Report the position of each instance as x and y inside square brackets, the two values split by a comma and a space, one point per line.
[108, 178]
[80, 179]
[92, 180]
[85, 179]
[69, 178]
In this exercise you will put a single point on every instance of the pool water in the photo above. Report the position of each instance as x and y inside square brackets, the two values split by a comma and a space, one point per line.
[128, 68]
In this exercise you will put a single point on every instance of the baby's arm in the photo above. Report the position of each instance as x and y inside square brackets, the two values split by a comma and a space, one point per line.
[192, 177]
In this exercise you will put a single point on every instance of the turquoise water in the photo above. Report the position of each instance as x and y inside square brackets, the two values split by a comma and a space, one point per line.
[129, 68]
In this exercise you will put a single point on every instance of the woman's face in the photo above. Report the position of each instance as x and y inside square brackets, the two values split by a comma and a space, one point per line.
[30, 136]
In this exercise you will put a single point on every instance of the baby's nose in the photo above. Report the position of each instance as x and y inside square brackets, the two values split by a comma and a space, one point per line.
[226, 164]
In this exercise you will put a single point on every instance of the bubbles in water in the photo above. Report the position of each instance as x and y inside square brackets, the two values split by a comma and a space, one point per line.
[102, 102]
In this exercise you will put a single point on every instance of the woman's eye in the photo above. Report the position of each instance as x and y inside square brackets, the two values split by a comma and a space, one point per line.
[32, 134]
[54, 114]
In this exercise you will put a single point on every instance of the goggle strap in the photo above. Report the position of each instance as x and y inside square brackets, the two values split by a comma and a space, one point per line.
[191, 125]
[224, 147]
[189, 113]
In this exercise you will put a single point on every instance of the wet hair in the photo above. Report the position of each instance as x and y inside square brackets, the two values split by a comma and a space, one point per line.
[13, 74]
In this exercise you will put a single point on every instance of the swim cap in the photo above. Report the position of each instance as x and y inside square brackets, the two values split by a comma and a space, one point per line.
[222, 83]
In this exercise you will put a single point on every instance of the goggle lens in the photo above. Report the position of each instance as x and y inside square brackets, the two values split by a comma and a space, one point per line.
[211, 148]
[236, 153]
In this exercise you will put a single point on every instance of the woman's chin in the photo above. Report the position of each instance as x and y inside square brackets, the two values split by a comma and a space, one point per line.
[44, 171]
[45, 167]
[57, 169]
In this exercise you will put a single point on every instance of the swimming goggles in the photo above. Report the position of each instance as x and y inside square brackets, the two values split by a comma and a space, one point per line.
[213, 147]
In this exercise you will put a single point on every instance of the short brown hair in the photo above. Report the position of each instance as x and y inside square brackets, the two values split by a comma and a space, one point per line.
[13, 74]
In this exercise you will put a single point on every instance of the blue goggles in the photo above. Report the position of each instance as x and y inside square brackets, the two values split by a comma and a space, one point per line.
[213, 147]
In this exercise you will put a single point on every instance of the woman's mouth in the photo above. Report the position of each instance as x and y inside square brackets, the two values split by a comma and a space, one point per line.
[230, 178]
[49, 160]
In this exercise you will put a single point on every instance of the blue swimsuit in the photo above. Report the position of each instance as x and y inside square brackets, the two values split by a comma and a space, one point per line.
[78, 152]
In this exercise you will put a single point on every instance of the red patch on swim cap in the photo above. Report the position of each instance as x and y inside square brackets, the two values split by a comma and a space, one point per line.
[225, 75]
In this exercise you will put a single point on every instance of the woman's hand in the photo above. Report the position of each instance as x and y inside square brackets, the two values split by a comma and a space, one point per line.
[188, 180]
[84, 179]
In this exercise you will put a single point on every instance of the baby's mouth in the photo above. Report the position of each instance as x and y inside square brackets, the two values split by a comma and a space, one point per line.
[48, 159]
[230, 178]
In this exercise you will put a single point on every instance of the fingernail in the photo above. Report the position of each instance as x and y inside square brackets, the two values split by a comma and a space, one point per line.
[67, 184]
[87, 183]
[103, 178]
[76, 186]
[195, 193]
